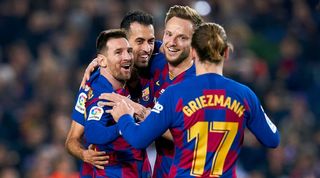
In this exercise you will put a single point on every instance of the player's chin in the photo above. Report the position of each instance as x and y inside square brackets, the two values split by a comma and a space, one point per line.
[126, 76]
[142, 64]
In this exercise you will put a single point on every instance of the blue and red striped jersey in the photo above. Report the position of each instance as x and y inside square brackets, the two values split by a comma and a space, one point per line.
[164, 147]
[207, 116]
[147, 92]
[102, 131]
[78, 112]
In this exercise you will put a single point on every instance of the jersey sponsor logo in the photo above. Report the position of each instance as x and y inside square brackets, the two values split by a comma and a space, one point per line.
[158, 83]
[161, 91]
[271, 125]
[157, 108]
[80, 106]
[95, 113]
[145, 94]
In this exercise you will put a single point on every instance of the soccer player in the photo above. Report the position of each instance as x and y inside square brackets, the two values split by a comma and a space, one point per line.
[207, 114]
[180, 23]
[140, 31]
[139, 28]
[116, 64]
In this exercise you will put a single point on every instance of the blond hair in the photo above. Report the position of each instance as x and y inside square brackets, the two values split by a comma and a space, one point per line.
[184, 12]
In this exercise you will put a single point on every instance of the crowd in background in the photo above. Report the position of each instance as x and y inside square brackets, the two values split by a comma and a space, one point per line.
[46, 45]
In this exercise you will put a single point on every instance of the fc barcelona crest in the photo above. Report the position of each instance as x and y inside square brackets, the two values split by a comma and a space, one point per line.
[145, 94]
[90, 94]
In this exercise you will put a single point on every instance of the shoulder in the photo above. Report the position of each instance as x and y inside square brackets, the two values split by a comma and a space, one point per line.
[184, 86]
[241, 89]
[98, 85]
[157, 61]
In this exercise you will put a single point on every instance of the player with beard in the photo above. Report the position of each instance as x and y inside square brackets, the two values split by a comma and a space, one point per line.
[116, 62]
[207, 122]
[139, 28]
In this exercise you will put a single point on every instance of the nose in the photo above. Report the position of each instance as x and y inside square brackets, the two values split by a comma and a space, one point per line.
[128, 56]
[171, 41]
[146, 47]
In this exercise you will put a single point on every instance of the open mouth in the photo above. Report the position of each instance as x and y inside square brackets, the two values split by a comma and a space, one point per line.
[172, 51]
[126, 66]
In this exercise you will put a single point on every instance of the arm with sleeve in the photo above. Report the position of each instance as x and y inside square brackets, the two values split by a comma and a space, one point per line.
[158, 121]
[79, 108]
[260, 124]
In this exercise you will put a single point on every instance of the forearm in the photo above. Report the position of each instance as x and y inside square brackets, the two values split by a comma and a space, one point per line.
[136, 140]
[139, 135]
[75, 147]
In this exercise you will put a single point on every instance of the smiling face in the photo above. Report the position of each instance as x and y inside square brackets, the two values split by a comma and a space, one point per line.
[177, 40]
[141, 38]
[118, 58]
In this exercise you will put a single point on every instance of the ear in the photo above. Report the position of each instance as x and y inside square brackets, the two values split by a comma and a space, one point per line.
[226, 53]
[102, 60]
[193, 53]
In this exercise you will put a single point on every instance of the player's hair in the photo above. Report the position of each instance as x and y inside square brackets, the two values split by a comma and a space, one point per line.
[136, 16]
[210, 42]
[106, 35]
[184, 12]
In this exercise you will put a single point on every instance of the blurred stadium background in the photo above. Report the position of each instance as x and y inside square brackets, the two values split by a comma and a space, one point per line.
[45, 46]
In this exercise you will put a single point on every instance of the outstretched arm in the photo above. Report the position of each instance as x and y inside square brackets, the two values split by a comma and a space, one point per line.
[139, 135]
[140, 112]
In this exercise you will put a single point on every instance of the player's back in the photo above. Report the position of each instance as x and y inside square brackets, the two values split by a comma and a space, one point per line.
[208, 125]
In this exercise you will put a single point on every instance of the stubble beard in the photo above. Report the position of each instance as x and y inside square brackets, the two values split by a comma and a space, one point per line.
[175, 62]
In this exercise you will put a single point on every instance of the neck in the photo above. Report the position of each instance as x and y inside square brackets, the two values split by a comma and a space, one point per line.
[116, 84]
[183, 66]
[206, 67]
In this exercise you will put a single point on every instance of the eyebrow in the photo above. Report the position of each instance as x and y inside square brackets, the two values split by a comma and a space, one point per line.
[140, 38]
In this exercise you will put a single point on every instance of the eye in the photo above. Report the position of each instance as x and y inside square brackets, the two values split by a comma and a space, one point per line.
[168, 33]
[183, 37]
[139, 41]
[151, 42]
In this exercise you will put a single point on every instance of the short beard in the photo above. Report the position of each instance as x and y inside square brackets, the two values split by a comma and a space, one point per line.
[184, 55]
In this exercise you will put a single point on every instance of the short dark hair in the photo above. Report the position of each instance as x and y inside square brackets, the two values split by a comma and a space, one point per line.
[106, 35]
[136, 16]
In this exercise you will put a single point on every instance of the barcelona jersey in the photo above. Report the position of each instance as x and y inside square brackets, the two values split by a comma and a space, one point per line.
[78, 113]
[147, 83]
[101, 130]
[207, 116]
[79, 116]
[164, 147]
